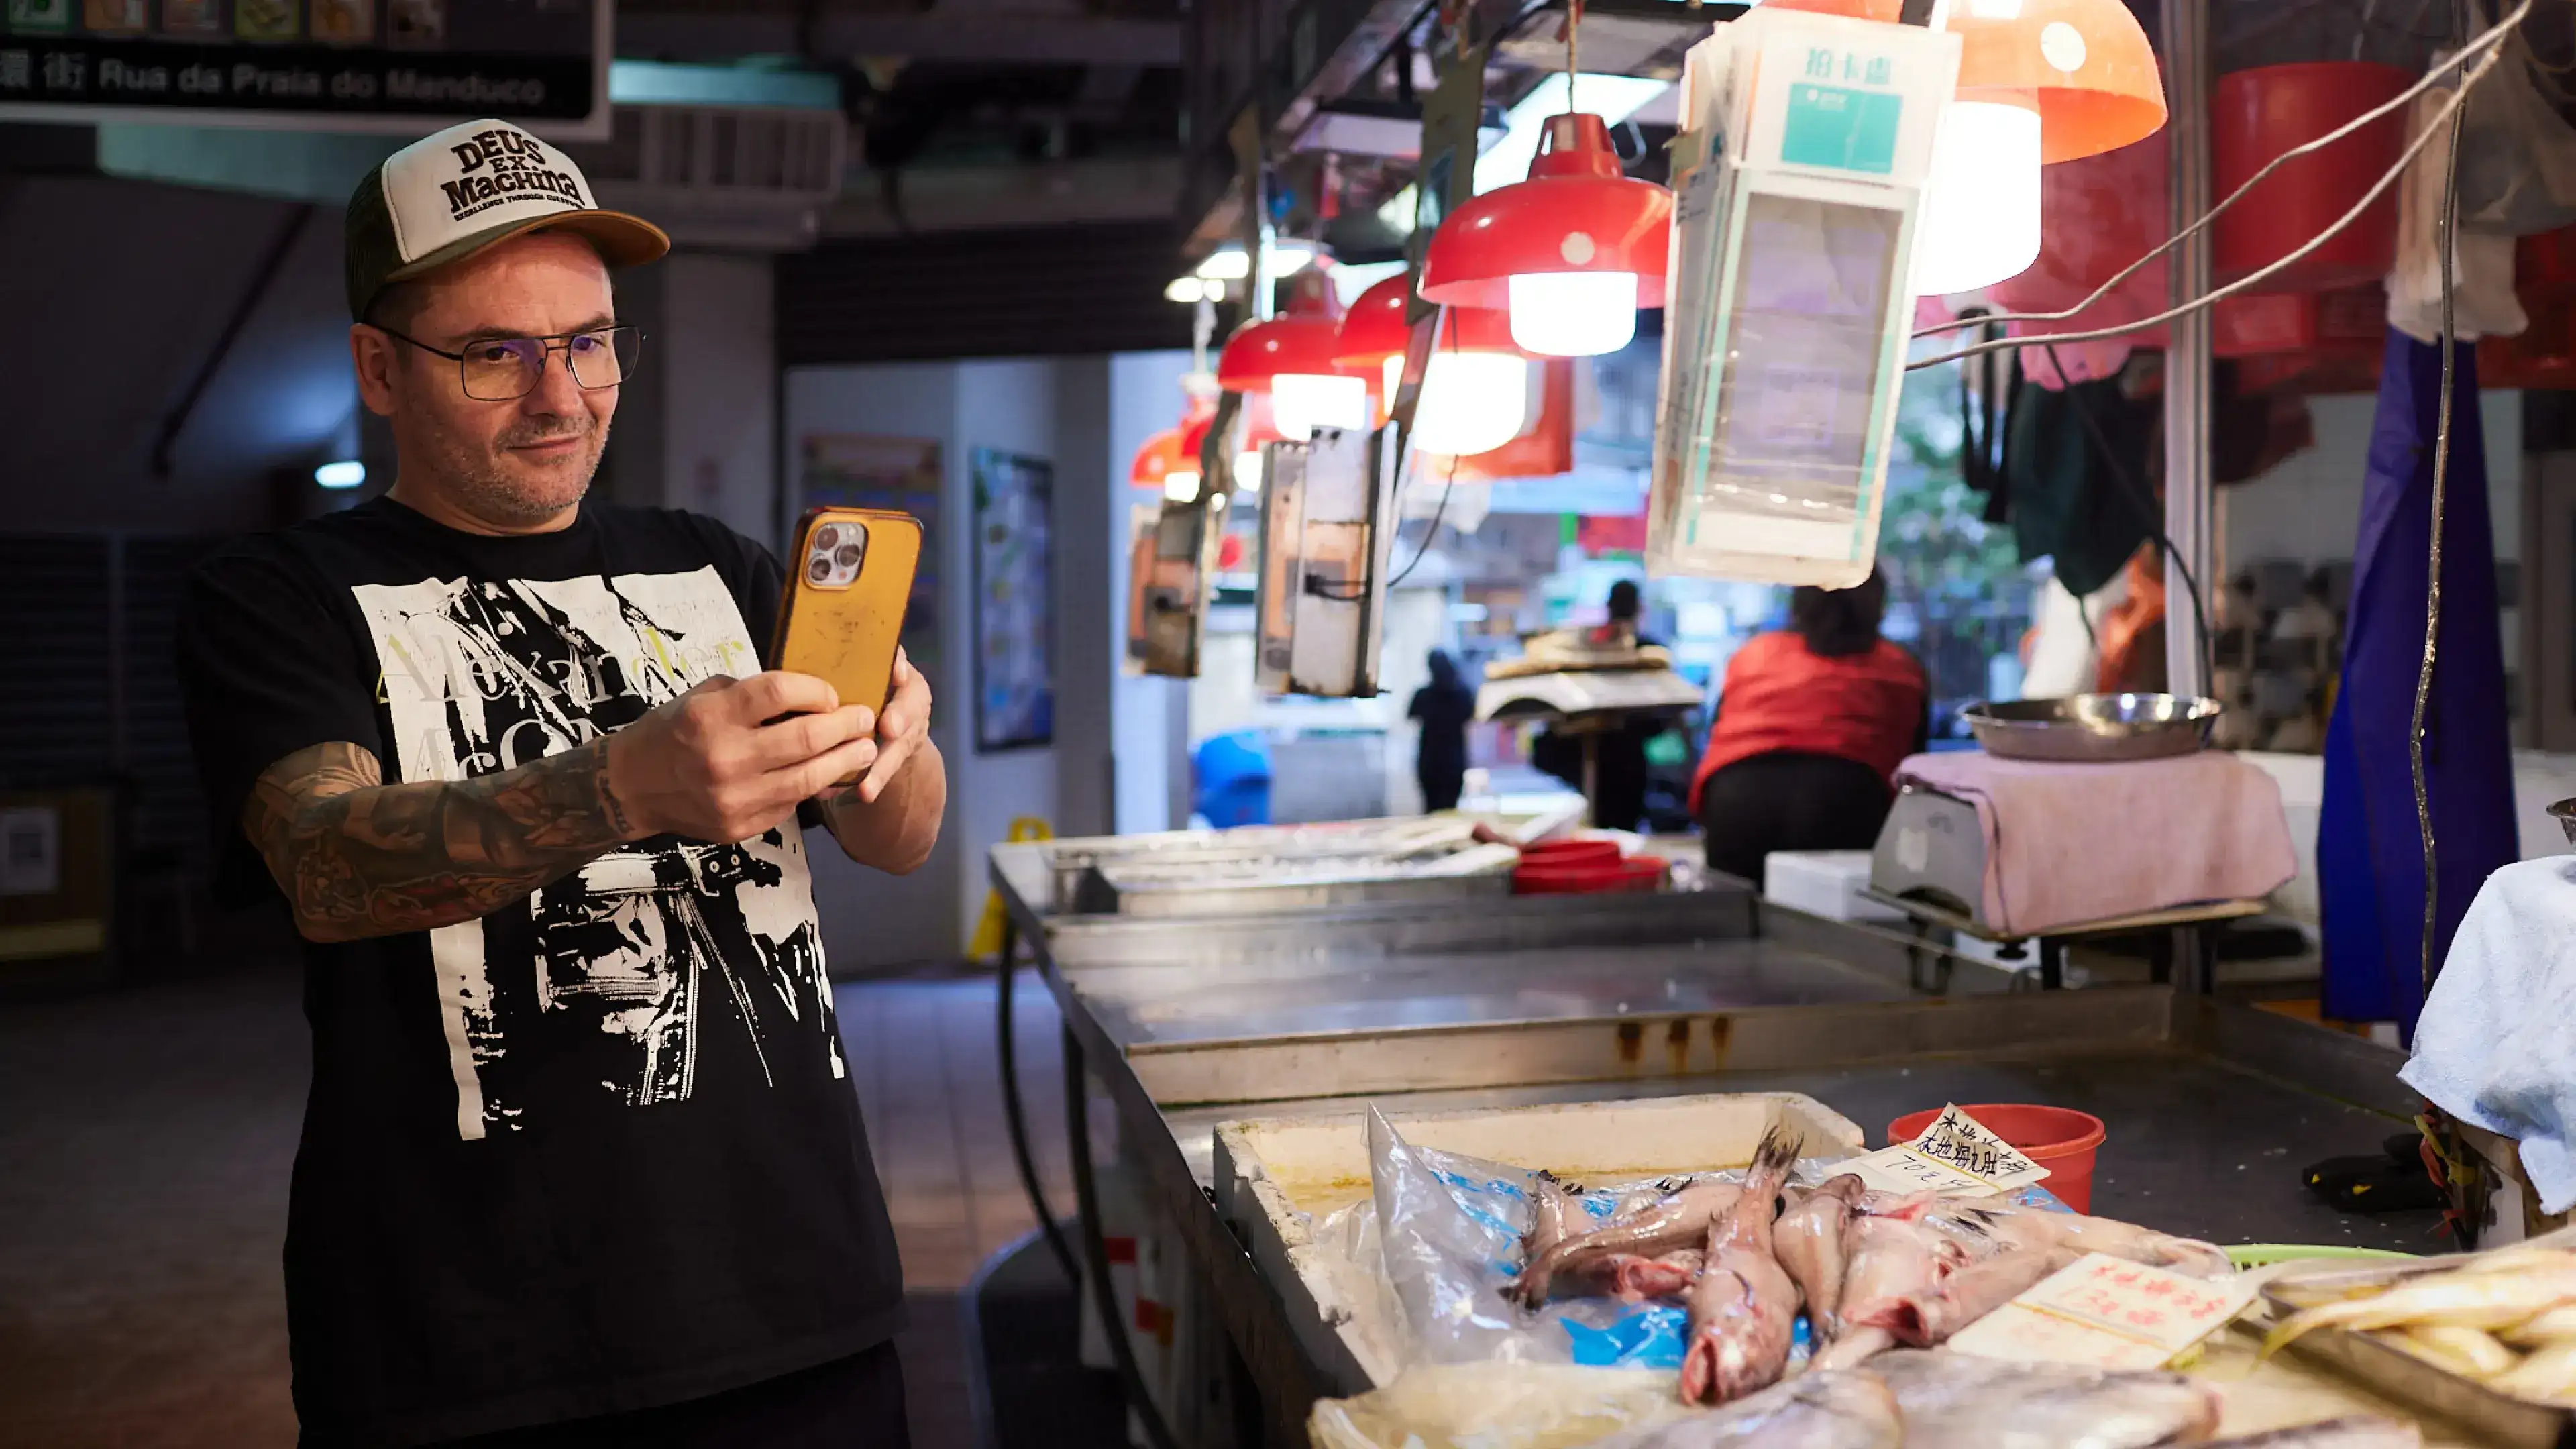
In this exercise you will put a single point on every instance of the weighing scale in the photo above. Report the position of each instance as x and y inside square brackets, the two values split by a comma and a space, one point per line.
[1324, 543]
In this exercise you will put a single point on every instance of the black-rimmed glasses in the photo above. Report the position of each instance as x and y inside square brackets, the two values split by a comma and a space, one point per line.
[502, 369]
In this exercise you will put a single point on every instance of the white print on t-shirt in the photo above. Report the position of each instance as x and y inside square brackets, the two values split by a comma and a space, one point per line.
[642, 955]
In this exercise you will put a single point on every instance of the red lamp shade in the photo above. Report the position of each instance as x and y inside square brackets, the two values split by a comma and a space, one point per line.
[1301, 339]
[1375, 328]
[2086, 62]
[1577, 213]
[1161, 454]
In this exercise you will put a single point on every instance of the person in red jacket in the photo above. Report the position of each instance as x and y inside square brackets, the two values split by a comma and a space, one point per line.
[1812, 722]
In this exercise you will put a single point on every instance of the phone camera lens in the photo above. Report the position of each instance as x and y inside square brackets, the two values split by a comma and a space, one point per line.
[820, 571]
[826, 536]
[847, 556]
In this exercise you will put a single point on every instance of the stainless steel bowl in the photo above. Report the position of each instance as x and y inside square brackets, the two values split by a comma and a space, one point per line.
[2093, 728]
[2565, 810]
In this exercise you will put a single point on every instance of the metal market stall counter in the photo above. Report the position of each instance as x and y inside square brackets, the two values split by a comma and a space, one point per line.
[1497, 1003]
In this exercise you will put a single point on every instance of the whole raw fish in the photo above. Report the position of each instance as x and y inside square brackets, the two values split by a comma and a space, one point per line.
[2470, 1298]
[1679, 1221]
[1953, 1401]
[1930, 1315]
[1555, 1209]
[1812, 1411]
[2022, 1227]
[1744, 1305]
[1809, 1243]
[2354, 1431]
[1889, 1259]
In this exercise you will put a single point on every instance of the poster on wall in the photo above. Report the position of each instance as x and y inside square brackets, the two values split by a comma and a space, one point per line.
[1014, 586]
[399, 66]
[901, 475]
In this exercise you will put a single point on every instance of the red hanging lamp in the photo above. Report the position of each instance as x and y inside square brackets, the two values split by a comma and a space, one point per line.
[1289, 359]
[1477, 387]
[1570, 254]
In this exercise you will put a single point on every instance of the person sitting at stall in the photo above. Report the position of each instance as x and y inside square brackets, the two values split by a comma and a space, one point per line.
[1812, 722]
[1618, 784]
[1443, 707]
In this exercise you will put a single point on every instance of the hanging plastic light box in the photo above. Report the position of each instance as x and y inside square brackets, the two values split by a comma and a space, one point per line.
[1325, 527]
[1174, 563]
[1799, 180]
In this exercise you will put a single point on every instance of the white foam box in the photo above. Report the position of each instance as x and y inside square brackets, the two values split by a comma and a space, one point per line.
[1275, 1177]
[1824, 883]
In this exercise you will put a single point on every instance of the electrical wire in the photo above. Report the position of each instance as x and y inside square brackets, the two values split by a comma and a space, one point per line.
[2258, 277]
[1431, 535]
[2484, 48]
[2143, 499]
[2450, 225]
[1014, 1115]
[1095, 1250]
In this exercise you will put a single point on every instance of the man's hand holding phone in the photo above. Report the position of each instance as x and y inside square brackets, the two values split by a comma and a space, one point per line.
[733, 758]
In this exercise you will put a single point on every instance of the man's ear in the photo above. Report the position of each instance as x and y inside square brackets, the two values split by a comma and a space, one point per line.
[371, 355]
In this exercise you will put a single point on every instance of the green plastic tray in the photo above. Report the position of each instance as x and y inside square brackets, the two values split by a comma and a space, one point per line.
[2263, 1255]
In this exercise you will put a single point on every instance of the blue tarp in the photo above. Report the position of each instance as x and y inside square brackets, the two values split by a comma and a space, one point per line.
[2370, 860]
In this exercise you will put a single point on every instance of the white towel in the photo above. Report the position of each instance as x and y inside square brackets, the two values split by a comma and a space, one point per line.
[2497, 1041]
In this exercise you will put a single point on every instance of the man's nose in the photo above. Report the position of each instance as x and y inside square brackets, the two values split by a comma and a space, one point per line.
[557, 391]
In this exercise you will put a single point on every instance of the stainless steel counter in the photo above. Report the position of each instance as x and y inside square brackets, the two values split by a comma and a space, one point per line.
[2211, 1105]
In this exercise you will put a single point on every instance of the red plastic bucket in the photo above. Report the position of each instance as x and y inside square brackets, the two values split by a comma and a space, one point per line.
[2258, 115]
[2060, 1139]
[1644, 873]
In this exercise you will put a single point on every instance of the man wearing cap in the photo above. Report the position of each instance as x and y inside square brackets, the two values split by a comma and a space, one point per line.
[581, 1162]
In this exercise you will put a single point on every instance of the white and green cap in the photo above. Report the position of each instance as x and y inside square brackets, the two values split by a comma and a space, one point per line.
[447, 196]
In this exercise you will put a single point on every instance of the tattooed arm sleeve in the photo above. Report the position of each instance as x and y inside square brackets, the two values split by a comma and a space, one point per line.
[357, 857]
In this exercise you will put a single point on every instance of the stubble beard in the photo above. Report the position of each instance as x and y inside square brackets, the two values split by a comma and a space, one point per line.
[486, 485]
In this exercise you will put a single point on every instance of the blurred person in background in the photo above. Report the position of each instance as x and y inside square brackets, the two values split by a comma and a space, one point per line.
[1619, 759]
[1812, 722]
[1443, 708]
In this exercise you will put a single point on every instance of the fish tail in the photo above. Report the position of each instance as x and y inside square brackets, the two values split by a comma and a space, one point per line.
[1773, 1159]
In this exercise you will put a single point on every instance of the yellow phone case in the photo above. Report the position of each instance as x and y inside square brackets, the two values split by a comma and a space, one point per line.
[840, 619]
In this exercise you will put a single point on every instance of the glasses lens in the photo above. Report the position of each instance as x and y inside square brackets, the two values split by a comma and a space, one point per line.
[603, 359]
[498, 369]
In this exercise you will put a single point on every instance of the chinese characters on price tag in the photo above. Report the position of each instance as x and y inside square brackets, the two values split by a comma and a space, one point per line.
[2108, 1313]
[1955, 1156]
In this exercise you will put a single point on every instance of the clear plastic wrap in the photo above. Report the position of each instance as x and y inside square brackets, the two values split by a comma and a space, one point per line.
[1448, 1232]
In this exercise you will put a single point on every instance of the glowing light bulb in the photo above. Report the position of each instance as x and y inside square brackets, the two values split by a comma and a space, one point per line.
[1574, 314]
[1247, 470]
[1981, 209]
[1472, 402]
[1180, 486]
[1304, 401]
[344, 473]
[1394, 369]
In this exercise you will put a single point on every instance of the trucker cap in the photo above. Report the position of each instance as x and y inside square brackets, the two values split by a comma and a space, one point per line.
[447, 196]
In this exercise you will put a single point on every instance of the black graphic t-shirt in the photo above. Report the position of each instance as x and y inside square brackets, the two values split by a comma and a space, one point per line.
[598, 1150]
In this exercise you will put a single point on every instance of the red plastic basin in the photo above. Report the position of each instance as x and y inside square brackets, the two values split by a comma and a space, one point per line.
[1569, 852]
[2060, 1139]
[1643, 873]
[2258, 115]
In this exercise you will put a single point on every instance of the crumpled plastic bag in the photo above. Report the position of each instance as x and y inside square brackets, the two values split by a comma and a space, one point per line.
[2517, 153]
[1448, 1231]
[2483, 303]
[1495, 1406]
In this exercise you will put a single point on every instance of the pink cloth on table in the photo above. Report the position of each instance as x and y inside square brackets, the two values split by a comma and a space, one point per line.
[2071, 844]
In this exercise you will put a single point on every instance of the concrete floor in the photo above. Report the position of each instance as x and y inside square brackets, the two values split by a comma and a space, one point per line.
[145, 1139]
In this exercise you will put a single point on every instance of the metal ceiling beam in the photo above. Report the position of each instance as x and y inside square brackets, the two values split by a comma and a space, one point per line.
[1033, 37]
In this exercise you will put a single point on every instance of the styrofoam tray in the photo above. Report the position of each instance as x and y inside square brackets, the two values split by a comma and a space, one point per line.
[1275, 1176]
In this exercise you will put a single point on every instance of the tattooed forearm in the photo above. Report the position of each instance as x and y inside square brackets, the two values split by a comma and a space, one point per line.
[357, 857]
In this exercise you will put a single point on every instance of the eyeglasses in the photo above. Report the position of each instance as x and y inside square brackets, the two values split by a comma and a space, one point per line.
[501, 369]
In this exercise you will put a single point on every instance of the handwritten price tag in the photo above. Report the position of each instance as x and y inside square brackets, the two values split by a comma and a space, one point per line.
[2106, 1312]
[1959, 1140]
[1901, 1169]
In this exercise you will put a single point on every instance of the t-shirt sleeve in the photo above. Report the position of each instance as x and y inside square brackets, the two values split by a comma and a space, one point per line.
[266, 668]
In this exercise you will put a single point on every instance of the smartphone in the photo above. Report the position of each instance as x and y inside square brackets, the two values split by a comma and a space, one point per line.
[841, 614]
